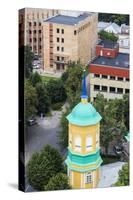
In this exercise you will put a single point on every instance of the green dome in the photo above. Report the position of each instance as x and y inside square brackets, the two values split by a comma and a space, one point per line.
[84, 114]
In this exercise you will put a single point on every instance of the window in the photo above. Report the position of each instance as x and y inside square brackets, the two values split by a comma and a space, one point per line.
[75, 32]
[62, 58]
[112, 89]
[96, 87]
[112, 77]
[78, 144]
[89, 177]
[62, 31]
[40, 47]
[51, 66]
[34, 39]
[62, 49]
[127, 91]
[119, 78]
[62, 40]
[40, 39]
[104, 88]
[30, 23]
[58, 39]
[39, 23]
[127, 79]
[97, 75]
[58, 58]
[34, 23]
[58, 30]
[30, 39]
[104, 76]
[34, 31]
[120, 90]
[30, 32]
[89, 143]
[39, 31]
[58, 48]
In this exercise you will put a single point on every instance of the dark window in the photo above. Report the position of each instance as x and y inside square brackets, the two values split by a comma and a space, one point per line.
[30, 39]
[39, 23]
[58, 48]
[58, 58]
[62, 31]
[75, 32]
[34, 39]
[127, 79]
[104, 76]
[30, 31]
[112, 89]
[30, 24]
[34, 23]
[104, 88]
[94, 99]
[62, 40]
[58, 66]
[40, 39]
[119, 90]
[96, 87]
[63, 66]
[62, 58]
[96, 75]
[120, 78]
[57, 30]
[34, 31]
[34, 47]
[39, 31]
[40, 47]
[126, 91]
[58, 39]
[112, 77]
[62, 48]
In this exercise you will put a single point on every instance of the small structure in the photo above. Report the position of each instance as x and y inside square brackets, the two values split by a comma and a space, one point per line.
[84, 160]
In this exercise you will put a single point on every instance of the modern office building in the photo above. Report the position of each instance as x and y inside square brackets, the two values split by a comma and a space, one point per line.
[69, 37]
[84, 160]
[30, 27]
[109, 71]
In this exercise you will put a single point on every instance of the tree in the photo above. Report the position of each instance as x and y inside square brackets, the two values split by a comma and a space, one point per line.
[43, 98]
[35, 78]
[44, 165]
[73, 82]
[123, 179]
[58, 182]
[30, 99]
[104, 35]
[56, 91]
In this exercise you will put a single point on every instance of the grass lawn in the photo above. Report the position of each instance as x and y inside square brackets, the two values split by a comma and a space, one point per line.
[48, 78]
[109, 159]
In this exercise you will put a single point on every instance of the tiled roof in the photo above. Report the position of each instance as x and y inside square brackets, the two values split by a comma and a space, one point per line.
[108, 44]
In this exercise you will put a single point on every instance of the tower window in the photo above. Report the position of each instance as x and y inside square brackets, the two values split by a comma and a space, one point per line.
[78, 144]
[89, 143]
[89, 177]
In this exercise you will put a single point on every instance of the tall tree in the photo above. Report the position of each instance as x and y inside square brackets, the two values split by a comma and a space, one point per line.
[35, 78]
[58, 182]
[43, 98]
[44, 165]
[123, 179]
[104, 35]
[30, 99]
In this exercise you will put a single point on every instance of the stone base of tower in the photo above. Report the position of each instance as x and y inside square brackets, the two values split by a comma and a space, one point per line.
[84, 180]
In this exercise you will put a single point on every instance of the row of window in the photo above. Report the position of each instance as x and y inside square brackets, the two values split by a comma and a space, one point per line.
[60, 58]
[89, 143]
[35, 39]
[35, 47]
[62, 31]
[58, 39]
[110, 77]
[60, 48]
[34, 23]
[35, 31]
[110, 89]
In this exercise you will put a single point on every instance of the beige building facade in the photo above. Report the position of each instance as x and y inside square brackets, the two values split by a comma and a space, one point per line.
[30, 27]
[69, 38]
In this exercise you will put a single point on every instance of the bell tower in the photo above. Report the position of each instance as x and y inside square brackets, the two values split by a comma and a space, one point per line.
[83, 160]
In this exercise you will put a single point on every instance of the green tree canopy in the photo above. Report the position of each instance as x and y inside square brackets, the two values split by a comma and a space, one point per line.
[56, 91]
[30, 100]
[104, 35]
[43, 98]
[123, 179]
[44, 165]
[58, 182]
[35, 78]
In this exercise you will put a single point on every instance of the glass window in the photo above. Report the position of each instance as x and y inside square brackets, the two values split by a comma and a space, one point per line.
[34, 31]
[96, 75]
[75, 32]
[112, 77]
[58, 58]
[104, 88]
[120, 90]
[62, 58]
[104, 76]
[89, 177]
[96, 87]
[112, 89]
[58, 39]
[127, 79]
[58, 30]
[62, 40]
[126, 91]
[58, 48]
[40, 31]
[62, 49]
[30, 23]
[120, 78]
[89, 143]
[62, 31]
[78, 144]
[34, 23]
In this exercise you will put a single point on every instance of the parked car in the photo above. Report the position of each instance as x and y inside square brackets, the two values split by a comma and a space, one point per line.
[118, 149]
[32, 121]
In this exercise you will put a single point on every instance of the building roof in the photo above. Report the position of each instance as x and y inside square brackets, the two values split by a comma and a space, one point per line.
[121, 60]
[109, 27]
[68, 20]
[84, 114]
[108, 44]
[103, 25]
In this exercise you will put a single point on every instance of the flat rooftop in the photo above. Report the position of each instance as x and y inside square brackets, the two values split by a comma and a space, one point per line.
[121, 60]
[68, 20]
[108, 44]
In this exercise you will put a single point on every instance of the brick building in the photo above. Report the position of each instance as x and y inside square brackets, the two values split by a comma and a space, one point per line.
[69, 38]
[109, 71]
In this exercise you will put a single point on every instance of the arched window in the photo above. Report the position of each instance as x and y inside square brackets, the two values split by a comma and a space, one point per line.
[78, 143]
[89, 143]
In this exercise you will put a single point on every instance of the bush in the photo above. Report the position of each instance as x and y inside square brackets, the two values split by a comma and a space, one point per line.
[44, 165]
[58, 182]
[57, 106]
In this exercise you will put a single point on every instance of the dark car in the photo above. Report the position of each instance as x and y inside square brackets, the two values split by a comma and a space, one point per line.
[32, 121]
